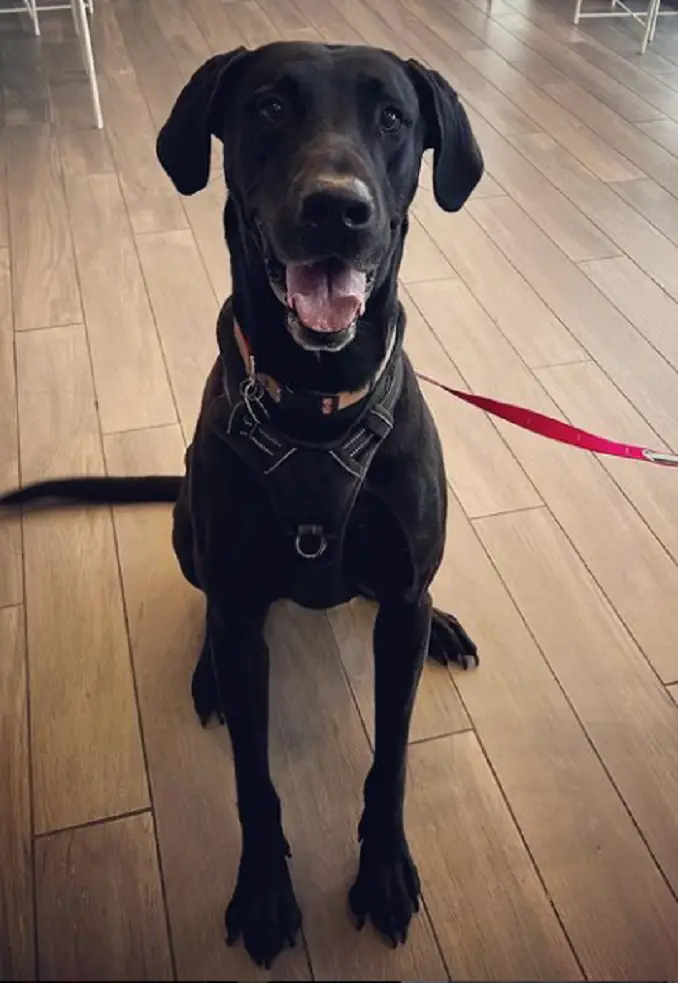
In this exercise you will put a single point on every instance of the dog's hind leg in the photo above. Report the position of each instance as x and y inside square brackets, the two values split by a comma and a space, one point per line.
[231, 679]
[449, 642]
[387, 887]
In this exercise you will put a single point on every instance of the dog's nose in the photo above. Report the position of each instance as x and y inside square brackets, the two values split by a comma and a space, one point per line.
[339, 205]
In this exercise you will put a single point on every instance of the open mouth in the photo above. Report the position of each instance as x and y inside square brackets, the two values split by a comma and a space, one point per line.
[324, 300]
[327, 296]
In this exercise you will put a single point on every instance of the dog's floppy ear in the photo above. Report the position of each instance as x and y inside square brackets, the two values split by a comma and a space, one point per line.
[457, 161]
[183, 144]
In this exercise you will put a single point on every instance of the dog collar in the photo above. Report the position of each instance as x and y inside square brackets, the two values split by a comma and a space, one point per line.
[326, 403]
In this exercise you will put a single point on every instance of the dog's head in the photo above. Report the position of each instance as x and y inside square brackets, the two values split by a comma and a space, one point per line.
[322, 150]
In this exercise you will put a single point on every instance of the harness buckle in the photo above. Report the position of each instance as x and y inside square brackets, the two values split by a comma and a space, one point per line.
[310, 542]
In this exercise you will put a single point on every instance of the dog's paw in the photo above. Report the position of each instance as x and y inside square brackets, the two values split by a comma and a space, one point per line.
[449, 642]
[205, 689]
[263, 910]
[386, 889]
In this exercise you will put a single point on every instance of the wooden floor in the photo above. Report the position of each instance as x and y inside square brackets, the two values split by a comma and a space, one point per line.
[543, 803]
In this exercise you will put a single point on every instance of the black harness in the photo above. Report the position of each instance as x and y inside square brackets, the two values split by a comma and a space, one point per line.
[313, 487]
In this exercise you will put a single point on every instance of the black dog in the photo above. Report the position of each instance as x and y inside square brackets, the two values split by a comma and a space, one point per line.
[315, 472]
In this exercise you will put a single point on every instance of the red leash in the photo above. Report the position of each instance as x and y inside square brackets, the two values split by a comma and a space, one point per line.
[547, 426]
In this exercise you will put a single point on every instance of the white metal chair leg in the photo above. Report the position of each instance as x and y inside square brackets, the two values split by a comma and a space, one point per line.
[82, 27]
[31, 6]
[76, 23]
[577, 11]
[650, 23]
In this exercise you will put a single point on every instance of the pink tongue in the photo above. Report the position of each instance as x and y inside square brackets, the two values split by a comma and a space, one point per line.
[325, 300]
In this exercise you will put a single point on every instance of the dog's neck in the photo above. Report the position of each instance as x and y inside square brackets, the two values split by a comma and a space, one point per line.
[326, 404]
[263, 320]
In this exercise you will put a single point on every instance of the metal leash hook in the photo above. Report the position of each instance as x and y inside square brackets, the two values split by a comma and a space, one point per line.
[657, 457]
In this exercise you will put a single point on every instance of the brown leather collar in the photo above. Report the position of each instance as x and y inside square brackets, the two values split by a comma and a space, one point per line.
[328, 403]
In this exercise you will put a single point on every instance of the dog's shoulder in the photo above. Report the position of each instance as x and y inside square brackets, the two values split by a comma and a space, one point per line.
[414, 438]
[408, 471]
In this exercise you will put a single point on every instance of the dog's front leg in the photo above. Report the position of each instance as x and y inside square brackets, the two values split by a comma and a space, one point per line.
[387, 886]
[233, 678]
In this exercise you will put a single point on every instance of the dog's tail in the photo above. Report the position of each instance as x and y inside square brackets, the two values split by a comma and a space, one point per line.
[97, 491]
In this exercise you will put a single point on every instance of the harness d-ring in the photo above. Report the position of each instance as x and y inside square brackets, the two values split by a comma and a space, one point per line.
[310, 542]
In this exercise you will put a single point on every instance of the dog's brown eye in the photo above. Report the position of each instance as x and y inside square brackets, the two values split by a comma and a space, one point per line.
[391, 119]
[271, 111]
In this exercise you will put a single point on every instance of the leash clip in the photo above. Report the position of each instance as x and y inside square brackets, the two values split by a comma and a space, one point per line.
[669, 460]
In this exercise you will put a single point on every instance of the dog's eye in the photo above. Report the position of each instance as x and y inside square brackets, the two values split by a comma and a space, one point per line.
[271, 111]
[391, 119]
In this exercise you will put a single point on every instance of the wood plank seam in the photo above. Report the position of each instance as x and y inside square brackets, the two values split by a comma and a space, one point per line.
[21, 608]
[13, 438]
[155, 322]
[153, 426]
[586, 269]
[142, 736]
[441, 737]
[491, 515]
[85, 319]
[564, 692]
[507, 802]
[559, 365]
[51, 327]
[27, 667]
[102, 821]
[631, 325]
[613, 186]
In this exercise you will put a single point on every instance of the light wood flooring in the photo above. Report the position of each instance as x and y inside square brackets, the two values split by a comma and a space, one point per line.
[543, 796]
